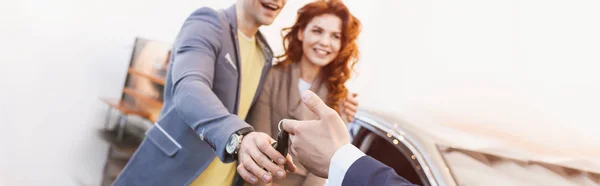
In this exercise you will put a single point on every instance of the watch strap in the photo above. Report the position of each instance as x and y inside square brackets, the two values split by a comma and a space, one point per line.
[244, 131]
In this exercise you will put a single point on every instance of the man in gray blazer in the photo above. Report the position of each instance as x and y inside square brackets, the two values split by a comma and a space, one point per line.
[201, 101]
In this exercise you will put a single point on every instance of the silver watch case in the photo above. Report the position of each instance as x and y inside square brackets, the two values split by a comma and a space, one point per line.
[233, 145]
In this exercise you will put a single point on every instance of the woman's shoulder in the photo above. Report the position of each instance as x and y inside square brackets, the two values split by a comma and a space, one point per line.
[275, 69]
[273, 75]
[279, 70]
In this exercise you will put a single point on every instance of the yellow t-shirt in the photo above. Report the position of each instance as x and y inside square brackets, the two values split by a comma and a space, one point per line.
[252, 62]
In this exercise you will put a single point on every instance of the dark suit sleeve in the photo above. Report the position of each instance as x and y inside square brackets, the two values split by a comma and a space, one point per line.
[192, 73]
[368, 171]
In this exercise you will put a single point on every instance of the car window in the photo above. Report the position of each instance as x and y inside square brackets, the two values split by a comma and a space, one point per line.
[390, 151]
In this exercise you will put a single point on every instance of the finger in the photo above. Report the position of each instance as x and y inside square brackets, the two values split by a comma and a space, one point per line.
[289, 164]
[264, 161]
[349, 119]
[253, 168]
[352, 102]
[316, 105]
[294, 152]
[353, 99]
[290, 126]
[268, 150]
[247, 176]
[292, 147]
[350, 113]
[292, 139]
[351, 106]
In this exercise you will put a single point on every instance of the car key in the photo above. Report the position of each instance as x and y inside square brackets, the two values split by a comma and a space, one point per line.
[283, 142]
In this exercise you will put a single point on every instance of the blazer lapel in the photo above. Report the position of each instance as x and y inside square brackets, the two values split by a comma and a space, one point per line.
[230, 15]
[268, 55]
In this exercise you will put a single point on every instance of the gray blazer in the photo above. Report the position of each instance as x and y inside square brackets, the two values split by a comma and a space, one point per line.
[200, 103]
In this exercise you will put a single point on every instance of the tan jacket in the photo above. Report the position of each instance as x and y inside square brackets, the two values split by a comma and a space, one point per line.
[280, 99]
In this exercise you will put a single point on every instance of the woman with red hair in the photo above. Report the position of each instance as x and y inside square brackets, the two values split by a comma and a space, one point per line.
[320, 52]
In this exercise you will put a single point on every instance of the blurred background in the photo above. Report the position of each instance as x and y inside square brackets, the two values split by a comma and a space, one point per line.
[506, 74]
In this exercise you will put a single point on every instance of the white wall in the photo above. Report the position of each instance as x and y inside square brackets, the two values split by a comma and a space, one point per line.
[521, 68]
[59, 57]
[525, 68]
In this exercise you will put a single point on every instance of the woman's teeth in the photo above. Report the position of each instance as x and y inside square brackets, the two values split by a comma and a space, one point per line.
[322, 52]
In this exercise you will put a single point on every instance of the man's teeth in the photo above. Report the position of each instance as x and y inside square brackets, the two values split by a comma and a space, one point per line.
[272, 6]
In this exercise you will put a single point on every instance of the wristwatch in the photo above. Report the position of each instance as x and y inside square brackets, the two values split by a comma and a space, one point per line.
[235, 140]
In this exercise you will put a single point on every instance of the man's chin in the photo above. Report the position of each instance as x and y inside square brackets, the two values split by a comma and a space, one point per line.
[267, 21]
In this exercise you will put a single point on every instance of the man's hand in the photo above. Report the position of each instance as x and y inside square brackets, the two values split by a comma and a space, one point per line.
[255, 153]
[350, 107]
[314, 142]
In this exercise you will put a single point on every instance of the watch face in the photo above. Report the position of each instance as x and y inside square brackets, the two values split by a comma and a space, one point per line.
[232, 144]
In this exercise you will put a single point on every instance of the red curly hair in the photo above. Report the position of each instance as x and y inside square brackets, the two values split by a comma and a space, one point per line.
[338, 71]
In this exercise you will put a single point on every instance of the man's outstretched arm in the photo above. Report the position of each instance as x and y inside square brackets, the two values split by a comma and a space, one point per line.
[323, 147]
[192, 73]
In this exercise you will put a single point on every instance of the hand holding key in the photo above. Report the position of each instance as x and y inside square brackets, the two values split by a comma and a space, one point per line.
[256, 157]
[248, 167]
[282, 143]
[314, 142]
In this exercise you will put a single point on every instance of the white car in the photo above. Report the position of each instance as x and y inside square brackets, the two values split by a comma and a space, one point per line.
[417, 156]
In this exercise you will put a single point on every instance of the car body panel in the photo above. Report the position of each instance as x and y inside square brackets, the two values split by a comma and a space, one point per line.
[447, 163]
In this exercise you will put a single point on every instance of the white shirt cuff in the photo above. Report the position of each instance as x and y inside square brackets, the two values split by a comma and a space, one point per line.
[341, 161]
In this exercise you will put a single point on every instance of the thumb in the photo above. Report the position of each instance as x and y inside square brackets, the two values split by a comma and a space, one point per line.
[315, 104]
[289, 126]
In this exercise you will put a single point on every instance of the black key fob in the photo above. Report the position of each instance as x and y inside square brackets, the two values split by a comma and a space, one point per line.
[283, 143]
